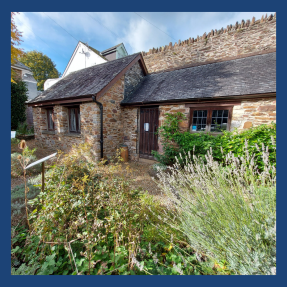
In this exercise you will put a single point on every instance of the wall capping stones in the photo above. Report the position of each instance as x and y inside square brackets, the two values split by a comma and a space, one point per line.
[236, 27]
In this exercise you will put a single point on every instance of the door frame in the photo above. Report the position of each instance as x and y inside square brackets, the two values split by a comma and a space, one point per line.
[145, 152]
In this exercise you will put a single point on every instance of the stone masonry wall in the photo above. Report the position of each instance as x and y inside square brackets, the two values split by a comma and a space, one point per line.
[132, 78]
[253, 113]
[112, 115]
[60, 138]
[247, 114]
[241, 38]
[116, 121]
[131, 131]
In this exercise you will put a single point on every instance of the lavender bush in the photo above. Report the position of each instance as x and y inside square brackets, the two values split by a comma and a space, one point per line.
[227, 212]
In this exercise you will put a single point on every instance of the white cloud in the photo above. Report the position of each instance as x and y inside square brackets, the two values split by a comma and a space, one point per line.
[23, 24]
[142, 36]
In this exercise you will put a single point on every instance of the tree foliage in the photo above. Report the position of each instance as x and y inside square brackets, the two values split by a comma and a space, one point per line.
[18, 99]
[15, 41]
[42, 66]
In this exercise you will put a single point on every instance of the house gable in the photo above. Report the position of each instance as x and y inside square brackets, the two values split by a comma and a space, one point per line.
[82, 51]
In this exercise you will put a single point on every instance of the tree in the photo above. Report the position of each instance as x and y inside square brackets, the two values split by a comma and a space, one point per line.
[15, 41]
[42, 66]
[18, 99]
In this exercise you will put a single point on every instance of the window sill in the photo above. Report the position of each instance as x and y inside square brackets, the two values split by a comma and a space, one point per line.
[48, 132]
[76, 135]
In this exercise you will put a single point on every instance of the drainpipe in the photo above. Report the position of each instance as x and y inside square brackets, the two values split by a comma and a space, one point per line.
[102, 137]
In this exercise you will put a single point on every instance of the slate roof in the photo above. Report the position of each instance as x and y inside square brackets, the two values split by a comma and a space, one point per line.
[29, 78]
[85, 82]
[21, 66]
[245, 76]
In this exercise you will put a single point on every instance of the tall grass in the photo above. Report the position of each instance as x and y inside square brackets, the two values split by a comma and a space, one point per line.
[227, 212]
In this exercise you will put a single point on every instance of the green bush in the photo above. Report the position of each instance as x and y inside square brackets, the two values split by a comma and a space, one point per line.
[176, 142]
[15, 141]
[98, 225]
[18, 98]
[228, 212]
[24, 130]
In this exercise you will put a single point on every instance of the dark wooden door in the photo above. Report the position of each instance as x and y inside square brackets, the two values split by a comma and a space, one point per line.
[148, 138]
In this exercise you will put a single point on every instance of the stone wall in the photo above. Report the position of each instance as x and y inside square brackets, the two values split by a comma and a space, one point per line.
[249, 113]
[241, 38]
[132, 78]
[253, 113]
[112, 114]
[117, 121]
[60, 138]
[131, 131]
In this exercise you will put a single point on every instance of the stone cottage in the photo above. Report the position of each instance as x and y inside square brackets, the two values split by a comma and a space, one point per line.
[123, 101]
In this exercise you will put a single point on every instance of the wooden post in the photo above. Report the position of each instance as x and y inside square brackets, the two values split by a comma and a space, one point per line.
[43, 180]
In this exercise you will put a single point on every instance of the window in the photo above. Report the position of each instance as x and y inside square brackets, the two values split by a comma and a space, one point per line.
[50, 119]
[74, 119]
[211, 119]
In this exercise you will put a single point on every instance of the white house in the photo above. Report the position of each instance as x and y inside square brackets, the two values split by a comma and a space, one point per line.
[85, 56]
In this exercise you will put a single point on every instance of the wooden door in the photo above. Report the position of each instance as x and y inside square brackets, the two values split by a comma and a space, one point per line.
[148, 128]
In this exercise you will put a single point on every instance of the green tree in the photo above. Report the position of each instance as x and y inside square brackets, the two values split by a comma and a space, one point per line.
[42, 66]
[18, 99]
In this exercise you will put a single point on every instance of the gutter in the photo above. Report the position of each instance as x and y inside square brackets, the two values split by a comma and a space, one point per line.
[102, 136]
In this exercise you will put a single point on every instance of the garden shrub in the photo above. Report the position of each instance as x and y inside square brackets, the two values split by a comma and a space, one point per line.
[89, 221]
[228, 212]
[23, 129]
[176, 142]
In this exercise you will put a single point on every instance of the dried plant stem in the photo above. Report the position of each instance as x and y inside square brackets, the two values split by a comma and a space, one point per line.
[26, 201]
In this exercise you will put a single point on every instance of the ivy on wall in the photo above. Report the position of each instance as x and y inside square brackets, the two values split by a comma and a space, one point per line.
[18, 99]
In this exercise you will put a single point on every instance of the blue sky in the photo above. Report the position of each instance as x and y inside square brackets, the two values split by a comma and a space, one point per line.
[56, 34]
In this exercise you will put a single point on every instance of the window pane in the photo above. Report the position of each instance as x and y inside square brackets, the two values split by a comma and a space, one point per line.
[72, 120]
[50, 120]
[219, 120]
[199, 120]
